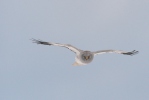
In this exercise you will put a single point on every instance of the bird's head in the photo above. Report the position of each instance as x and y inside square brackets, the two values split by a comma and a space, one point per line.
[87, 55]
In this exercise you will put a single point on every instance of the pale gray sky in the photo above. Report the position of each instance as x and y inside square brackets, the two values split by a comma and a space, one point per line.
[36, 72]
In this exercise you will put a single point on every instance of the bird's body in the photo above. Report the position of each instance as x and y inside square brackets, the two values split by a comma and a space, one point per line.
[84, 57]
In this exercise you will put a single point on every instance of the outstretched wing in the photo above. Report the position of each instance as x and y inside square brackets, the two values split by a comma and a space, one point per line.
[72, 48]
[116, 51]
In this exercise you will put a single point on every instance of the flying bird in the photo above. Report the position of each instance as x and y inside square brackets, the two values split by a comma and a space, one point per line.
[84, 57]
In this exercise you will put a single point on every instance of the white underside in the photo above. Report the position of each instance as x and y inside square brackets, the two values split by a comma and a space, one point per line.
[78, 62]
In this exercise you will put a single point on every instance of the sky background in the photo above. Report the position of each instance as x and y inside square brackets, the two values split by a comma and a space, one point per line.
[37, 72]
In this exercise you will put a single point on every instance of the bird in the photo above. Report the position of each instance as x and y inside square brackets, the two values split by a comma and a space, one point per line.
[84, 57]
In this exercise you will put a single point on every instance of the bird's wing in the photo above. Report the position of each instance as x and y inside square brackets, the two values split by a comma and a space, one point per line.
[115, 51]
[72, 48]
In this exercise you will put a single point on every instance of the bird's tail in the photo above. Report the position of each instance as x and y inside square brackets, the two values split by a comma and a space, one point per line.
[76, 64]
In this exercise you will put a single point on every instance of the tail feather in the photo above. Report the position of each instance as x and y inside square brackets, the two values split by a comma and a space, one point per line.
[76, 64]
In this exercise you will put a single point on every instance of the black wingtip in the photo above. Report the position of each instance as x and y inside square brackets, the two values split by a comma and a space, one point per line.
[131, 53]
[36, 41]
[40, 42]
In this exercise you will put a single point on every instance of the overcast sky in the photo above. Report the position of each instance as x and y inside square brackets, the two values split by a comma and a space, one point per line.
[37, 72]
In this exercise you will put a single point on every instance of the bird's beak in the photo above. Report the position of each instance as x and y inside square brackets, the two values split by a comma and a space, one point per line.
[86, 57]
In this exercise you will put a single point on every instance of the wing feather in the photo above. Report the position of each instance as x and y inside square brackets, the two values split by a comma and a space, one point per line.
[116, 51]
[70, 47]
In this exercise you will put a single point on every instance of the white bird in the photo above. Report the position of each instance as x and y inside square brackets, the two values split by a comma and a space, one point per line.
[84, 57]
